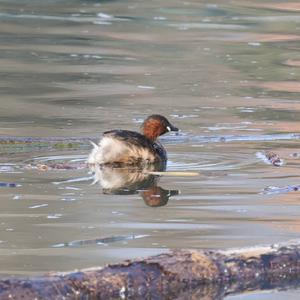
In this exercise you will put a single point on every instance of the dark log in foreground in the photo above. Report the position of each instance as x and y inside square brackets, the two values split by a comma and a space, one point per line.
[172, 275]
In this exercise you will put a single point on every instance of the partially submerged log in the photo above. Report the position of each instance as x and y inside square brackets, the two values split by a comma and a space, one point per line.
[274, 158]
[172, 275]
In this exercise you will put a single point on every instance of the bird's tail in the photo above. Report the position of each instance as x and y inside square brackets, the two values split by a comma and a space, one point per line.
[94, 145]
[92, 156]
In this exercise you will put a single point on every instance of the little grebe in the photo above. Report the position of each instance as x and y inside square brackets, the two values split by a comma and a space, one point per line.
[124, 147]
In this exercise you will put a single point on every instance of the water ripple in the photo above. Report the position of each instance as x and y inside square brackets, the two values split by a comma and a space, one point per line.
[101, 18]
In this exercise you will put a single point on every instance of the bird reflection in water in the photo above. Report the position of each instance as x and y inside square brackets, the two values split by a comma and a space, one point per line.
[127, 181]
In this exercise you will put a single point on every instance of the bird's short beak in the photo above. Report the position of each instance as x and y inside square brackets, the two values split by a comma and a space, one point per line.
[172, 128]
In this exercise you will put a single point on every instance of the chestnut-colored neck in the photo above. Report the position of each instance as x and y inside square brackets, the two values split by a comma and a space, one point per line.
[152, 129]
[150, 133]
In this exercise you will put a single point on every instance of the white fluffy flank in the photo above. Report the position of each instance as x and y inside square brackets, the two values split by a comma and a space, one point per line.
[111, 150]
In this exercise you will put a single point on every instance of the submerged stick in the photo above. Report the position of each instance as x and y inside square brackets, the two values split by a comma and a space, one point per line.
[173, 173]
[172, 275]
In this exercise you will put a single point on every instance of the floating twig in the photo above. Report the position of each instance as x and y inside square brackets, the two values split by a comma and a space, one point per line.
[281, 190]
[56, 166]
[270, 158]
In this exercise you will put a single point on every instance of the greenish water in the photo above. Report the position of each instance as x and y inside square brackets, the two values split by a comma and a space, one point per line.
[227, 74]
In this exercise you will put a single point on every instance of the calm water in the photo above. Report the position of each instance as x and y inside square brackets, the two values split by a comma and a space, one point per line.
[227, 74]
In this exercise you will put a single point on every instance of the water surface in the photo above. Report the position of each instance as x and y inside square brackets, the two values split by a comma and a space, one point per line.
[227, 74]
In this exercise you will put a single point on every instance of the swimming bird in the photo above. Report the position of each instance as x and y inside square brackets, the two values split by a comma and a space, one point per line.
[124, 147]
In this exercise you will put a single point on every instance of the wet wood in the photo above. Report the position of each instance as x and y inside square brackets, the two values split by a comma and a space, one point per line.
[172, 275]
[270, 157]
[274, 158]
